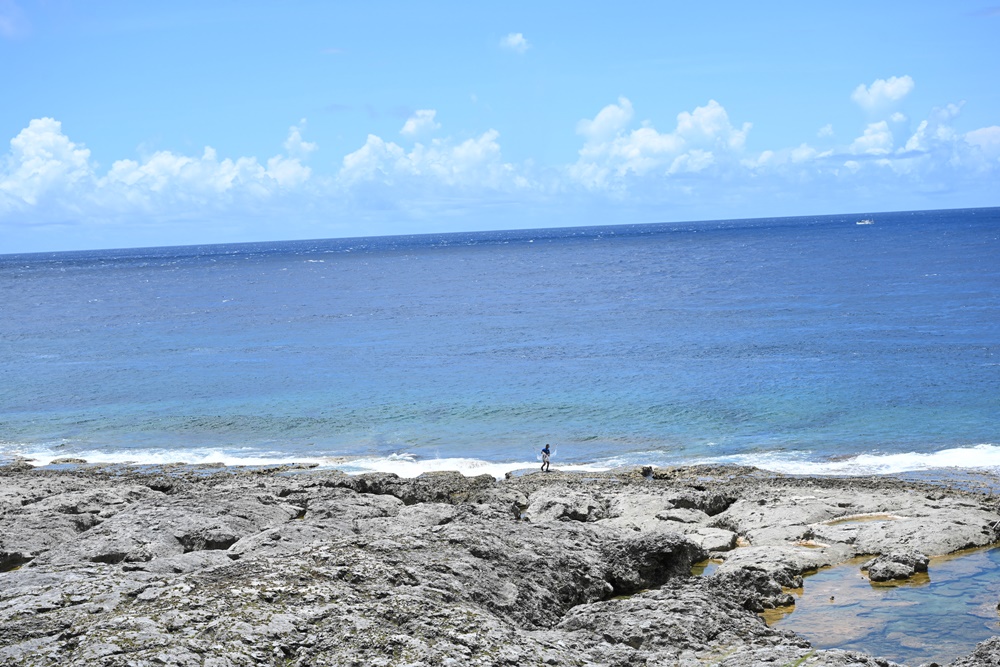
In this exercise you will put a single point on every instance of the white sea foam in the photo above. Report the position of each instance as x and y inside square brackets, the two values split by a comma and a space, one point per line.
[406, 465]
[402, 464]
[977, 457]
[43, 457]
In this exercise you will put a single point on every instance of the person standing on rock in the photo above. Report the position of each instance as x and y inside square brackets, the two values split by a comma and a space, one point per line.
[545, 457]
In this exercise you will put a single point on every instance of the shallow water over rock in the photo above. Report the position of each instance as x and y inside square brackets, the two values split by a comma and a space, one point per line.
[934, 616]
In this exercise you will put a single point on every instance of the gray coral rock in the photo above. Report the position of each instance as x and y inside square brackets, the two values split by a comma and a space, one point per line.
[228, 568]
[896, 565]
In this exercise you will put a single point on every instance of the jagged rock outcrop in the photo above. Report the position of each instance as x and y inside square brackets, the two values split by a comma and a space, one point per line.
[109, 566]
[896, 565]
[986, 654]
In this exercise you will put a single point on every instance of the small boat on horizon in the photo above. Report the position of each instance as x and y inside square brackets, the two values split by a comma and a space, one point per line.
[866, 221]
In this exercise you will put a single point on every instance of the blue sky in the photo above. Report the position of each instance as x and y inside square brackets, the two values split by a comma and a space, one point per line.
[130, 124]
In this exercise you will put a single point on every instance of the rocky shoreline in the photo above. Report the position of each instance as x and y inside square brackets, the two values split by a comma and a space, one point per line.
[218, 567]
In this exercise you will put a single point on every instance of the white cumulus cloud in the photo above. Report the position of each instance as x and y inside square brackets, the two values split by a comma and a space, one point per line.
[611, 152]
[932, 154]
[882, 92]
[51, 174]
[936, 131]
[625, 169]
[803, 153]
[710, 125]
[475, 162]
[294, 145]
[986, 139]
[705, 158]
[608, 122]
[43, 159]
[420, 122]
[877, 140]
[515, 42]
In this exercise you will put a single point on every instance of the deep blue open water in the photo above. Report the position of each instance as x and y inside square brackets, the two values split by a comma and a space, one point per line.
[798, 344]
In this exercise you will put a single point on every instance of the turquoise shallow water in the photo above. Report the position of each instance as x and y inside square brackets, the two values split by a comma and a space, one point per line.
[799, 344]
[936, 617]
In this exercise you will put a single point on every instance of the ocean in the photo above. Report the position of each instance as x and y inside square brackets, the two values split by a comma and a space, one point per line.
[801, 345]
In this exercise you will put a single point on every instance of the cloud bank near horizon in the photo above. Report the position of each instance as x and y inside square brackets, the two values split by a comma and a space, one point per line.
[48, 178]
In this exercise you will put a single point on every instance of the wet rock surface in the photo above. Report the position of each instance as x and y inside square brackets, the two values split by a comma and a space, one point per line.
[896, 565]
[987, 653]
[113, 566]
